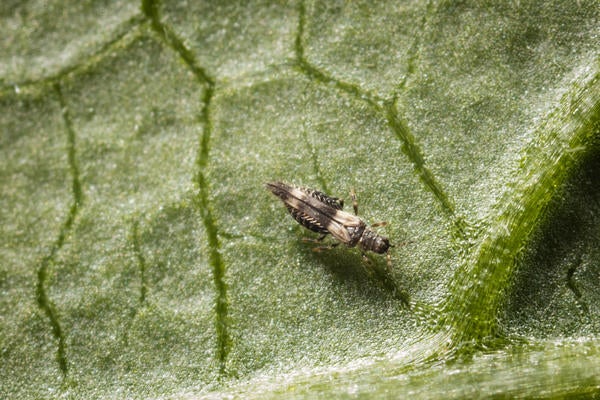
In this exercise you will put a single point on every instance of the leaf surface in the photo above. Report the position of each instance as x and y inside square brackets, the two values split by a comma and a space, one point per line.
[142, 257]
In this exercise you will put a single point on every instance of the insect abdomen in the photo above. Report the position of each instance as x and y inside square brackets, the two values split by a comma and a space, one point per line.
[334, 202]
[306, 221]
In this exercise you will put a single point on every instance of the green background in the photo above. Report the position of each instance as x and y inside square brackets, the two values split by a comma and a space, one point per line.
[141, 257]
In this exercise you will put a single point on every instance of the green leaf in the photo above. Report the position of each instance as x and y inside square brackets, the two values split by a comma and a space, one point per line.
[142, 257]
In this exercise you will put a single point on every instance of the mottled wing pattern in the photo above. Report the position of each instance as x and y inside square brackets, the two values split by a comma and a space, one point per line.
[306, 220]
[315, 210]
[324, 214]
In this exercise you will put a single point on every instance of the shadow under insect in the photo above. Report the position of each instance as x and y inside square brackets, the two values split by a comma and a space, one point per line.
[350, 267]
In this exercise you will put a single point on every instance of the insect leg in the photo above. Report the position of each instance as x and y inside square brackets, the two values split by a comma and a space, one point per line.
[388, 256]
[319, 240]
[319, 249]
[368, 264]
[382, 223]
[354, 201]
[366, 259]
[402, 243]
[311, 240]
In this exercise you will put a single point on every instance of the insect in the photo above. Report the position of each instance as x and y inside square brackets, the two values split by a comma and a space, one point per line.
[324, 214]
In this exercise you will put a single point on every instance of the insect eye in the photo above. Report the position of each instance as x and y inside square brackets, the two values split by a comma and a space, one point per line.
[383, 245]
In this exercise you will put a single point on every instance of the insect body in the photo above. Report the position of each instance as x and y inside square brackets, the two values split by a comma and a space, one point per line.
[324, 214]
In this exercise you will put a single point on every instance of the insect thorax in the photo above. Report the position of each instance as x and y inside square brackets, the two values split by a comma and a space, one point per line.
[356, 233]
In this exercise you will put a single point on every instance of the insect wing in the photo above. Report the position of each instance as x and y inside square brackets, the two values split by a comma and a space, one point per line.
[306, 221]
[319, 213]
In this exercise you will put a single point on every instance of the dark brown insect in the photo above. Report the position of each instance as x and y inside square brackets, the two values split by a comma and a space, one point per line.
[324, 214]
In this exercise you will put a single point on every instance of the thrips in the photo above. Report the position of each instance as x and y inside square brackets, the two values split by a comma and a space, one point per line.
[325, 215]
